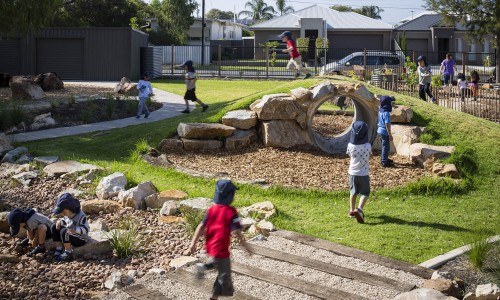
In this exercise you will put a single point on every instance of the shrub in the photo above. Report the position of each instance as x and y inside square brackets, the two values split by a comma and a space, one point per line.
[54, 104]
[87, 116]
[71, 101]
[465, 161]
[126, 240]
[478, 252]
[110, 107]
[11, 115]
[192, 217]
[437, 80]
[411, 71]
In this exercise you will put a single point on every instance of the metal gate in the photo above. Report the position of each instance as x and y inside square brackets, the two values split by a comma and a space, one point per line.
[10, 57]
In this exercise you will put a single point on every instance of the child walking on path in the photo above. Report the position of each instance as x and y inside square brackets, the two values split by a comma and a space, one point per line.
[72, 230]
[220, 220]
[190, 78]
[145, 89]
[424, 79]
[384, 129]
[359, 149]
[37, 225]
[295, 62]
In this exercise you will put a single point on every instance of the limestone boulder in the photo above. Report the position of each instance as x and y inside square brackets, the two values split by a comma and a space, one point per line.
[13, 155]
[26, 178]
[68, 166]
[9, 169]
[321, 90]
[423, 294]
[261, 210]
[204, 131]
[302, 120]
[171, 146]
[182, 261]
[201, 145]
[241, 139]
[445, 170]
[488, 291]
[301, 95]
[24, 88]
[169, 208]
[43, 121]
[111, 185]
[5, 145]
[97, 244]
[420, 153]
[126, 87]
[46, 160]
[403, 137]
[135, 196]
[94, 207]
[199, 204]
[444, 286]
[247, 222]
[442, 275]
[240, 119]
[158, 199]
[276, 107]
[98, 225]
[282, 133]
[401, 114]
[118, 280]
[265, 227]
[49, 82]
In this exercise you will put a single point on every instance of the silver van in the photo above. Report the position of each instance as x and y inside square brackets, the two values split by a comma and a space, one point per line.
[374, 60]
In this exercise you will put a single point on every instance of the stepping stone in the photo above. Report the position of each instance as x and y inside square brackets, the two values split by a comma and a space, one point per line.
[46, 160]
[68, 166]
[241, 119]
[205, 131]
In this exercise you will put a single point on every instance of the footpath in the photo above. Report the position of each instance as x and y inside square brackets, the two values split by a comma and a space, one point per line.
[173, 104]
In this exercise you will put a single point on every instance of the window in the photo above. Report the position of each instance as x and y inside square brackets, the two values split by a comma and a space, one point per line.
[231, 34]
[472, 50]
[374, 60]
[459, 49]
[390, 60]
[358, 60]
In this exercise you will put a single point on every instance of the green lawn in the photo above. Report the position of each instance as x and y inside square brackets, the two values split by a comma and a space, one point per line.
[412, 226]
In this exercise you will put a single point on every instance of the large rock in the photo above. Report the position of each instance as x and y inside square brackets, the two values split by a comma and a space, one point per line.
[97, 244]
[488, 291]
[201, 145]
[169, 208]
[199, 204]
[135, 196]
[301, 95]
[98, 225]
[401, 114]
[43, 121]
[24, 88]
[420, 153]
[276, 107]
[92, 207]
[182, 261]
[9, 169]
[171, 146]
[241, 139]
[261, 210]
[4, 222]
[46, 160]
[68, 166]
[157, 200]
[5, 145]
[204, 131]
[246, 223]
[241, 119]
[118, 280]
[282, 133]
[111, 185]
[126, 87]
[403, 137]
[423, 294]
[445, 170]
[13, 155]
[49, 82]
[444, 286]
[26, 178]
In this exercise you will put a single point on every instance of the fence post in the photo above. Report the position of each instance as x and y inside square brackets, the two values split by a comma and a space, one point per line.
[219, 63]
[364, 63]
[316, 62]
[267, 62]
[172, 60]
[413, 55]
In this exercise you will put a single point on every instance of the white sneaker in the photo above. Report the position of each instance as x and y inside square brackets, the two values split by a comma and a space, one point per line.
[200, 270]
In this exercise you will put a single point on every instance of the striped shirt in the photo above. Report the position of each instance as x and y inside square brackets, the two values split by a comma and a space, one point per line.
[78, 223]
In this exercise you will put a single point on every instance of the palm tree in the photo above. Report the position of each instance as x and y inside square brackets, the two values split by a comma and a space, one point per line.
[282, 9]
[257, 10]
[371, 11]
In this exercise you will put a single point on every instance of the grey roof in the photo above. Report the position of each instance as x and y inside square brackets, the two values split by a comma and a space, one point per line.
[335, 20]
[425, 22]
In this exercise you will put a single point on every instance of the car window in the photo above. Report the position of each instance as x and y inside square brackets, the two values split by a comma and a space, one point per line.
[391, 60]
[374, 60]
[358, 60]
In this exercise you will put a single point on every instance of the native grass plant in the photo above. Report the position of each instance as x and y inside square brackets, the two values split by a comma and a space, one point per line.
[436, 186]
[479, 251]
[11, 114]
[54, 104]
[192, 217]
[141, 147]
[126, 239]
[110, 107]
[71, 101]
[270, 46]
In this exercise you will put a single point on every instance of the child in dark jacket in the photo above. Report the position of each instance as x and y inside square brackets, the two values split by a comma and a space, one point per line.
[70, 231]
[220, 220]
[37, 225]
[384, 129]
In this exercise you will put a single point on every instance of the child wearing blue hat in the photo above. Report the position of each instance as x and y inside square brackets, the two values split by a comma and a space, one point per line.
[70, 231]
[36, 224]
[384, 129]
[220, 220]
[359, 149]
[145, 89]
[190, 94]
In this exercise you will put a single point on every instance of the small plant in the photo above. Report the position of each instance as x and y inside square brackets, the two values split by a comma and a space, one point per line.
[411, 71]
[110, 107]
[87, 116]
[71, 101]
[141, 147]
[126, 240]
[487, 61]
[54, 104]
[270, 46]
[437, 80]
[478, 252]
[192, 217]
[352, 75]
[11, 115]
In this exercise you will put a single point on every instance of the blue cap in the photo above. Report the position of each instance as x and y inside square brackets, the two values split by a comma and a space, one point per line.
[18, 216]
[288, 34]
[359, 133]
[66, 201]
[147, 74]
[224, 192]
[386, 103]
[188, 63]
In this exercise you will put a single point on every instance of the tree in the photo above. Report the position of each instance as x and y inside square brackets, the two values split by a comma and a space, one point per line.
[282, 8]
[174, 19]
[23, 16]
[371, 11]
[479, 16]
[215, 13]
[341, 8]
[257, 10]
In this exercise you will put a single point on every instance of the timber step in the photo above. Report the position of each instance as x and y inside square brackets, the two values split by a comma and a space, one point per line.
[417, 270]
[140, 292]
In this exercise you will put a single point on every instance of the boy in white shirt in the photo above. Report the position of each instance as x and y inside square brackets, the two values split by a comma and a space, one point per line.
[145, 89]
[190, 94]
[359, 149]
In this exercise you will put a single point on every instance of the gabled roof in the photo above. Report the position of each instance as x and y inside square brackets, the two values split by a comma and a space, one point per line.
[425, 22]
[335, 20]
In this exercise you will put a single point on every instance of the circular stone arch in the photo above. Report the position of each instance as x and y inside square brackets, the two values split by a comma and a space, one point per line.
[366, 108]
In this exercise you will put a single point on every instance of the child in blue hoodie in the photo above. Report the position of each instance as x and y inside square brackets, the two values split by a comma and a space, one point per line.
[70, 231]
[359, 149]
[145, 89]
[384, 129]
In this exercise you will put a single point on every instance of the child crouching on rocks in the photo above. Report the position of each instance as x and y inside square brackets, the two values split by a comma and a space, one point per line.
[359, 149]
[37, 225]
[220, 220]
[70, 231]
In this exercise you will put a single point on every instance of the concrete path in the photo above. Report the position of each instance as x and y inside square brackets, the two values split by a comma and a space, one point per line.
[173, 104]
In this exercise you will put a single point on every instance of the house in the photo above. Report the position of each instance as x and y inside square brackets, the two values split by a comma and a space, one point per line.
[215, 30]
[346, 31]
[427, 34]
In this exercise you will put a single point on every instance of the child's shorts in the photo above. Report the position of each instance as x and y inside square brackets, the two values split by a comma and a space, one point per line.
[359, 185]
[223, 285]
[190, 95]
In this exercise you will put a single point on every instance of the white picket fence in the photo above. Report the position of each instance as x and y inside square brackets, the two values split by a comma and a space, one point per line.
[183, 53]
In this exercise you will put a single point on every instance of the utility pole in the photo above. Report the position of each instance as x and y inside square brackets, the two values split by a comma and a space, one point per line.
[202, 32]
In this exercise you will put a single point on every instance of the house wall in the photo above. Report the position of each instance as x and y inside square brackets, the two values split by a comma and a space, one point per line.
[194, 33]
[222, 31]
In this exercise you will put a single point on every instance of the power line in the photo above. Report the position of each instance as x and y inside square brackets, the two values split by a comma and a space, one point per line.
[331, 4]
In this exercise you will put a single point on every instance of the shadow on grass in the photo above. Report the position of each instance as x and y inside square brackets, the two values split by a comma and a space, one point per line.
[383, 219]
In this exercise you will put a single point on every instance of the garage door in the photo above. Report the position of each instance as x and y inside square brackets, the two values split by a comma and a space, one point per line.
[10, 58]
[357, 41]
[417, 45]
[63, 56]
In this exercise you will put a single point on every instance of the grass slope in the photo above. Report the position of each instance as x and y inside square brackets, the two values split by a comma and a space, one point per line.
[411, 226]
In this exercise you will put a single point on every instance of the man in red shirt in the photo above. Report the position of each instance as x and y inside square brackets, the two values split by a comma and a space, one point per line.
[295, 62]
[219, 221]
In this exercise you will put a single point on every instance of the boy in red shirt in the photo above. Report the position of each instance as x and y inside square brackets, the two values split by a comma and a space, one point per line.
[295, 62]
[219, 221]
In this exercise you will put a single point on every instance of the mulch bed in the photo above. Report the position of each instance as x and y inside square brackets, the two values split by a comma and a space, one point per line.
[329, 125]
